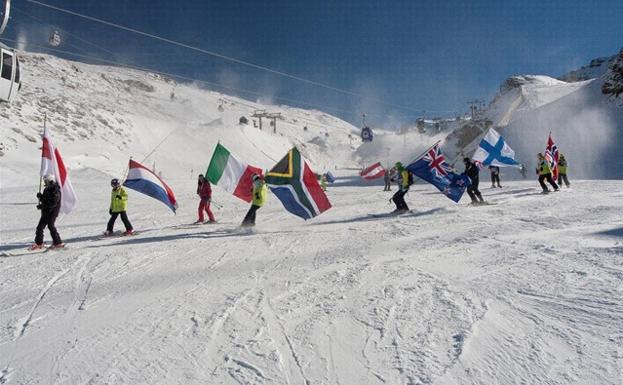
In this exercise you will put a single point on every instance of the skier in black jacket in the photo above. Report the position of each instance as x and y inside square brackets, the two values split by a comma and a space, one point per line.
[472, 171]
[50, 205]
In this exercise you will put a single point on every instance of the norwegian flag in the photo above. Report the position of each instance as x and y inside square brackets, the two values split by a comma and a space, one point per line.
[373, 172]
[551, 155]
[52, 164]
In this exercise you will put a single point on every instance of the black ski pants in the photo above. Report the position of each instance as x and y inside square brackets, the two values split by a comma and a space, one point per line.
[561, 178]
[399, 199]
[124, 218]
[549, 179]
[495, 178]
[48, 218]
[473, 192]
[249, 219]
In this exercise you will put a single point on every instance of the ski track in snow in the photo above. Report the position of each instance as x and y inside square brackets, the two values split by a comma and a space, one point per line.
[524, 291]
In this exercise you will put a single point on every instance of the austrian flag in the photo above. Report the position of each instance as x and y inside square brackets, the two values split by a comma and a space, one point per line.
[52, 164]
[373, 172]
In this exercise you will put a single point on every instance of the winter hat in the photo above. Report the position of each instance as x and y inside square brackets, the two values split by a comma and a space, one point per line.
[114, 182]
[49, 178]
[398, 165]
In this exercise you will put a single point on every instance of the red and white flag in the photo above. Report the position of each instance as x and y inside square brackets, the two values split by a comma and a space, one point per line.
[373, 172]
[551, 155]
[52, 164]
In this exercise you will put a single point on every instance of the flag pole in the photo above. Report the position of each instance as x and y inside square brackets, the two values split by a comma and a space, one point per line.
[45, 118]
[422, 154]
[125, 172]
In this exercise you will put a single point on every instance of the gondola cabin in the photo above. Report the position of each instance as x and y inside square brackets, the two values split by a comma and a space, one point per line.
[55, 39]
[9, 74]
[366, 134]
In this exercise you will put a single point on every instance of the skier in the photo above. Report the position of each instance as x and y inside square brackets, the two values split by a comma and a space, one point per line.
[204, 190]
[259, 197]
[562, 171]
[118, 206]
[523, 171]
[387, 178]
[473, 172]
[495, 176]
[50, 205]
[402, 177]
[323, 182]
[545, 172]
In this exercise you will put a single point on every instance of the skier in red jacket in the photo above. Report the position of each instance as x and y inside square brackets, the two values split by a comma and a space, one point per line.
[204, 190]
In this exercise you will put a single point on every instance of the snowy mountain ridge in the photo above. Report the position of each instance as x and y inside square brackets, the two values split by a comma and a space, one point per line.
[586, 124]
[100, 116]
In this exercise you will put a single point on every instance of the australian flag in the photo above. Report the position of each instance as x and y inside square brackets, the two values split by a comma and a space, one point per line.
[433, 168]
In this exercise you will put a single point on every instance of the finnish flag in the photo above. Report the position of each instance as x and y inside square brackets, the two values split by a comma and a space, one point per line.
[493, 151]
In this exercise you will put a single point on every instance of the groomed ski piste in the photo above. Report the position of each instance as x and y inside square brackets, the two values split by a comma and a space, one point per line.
[527, 290]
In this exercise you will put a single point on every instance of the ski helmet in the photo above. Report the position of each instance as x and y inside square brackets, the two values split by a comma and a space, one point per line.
[114, 182]
[49, 178]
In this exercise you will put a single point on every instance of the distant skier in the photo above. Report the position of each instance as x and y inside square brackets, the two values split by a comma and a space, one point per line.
[259, 197]
[495, 176]
[387, 178]
[545, 173]
[523, 171]
[402, 177]
[562, 171]
[323, 182]
[204, 190]
[118, 206]
[50, 205]
[473, 172]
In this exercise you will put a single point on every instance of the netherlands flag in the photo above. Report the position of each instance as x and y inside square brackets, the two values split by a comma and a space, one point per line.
[143, 180]
[373, 172]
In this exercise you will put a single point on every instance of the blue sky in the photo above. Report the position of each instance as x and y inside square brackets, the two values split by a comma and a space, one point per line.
[430, 57]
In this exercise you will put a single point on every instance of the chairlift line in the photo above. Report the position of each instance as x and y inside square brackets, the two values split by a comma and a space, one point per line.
[218, 55]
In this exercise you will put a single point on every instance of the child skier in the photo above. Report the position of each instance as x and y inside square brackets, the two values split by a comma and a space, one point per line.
[259, 197]
[402, 178]
[562, 171]
[50, 205]
[204, 190]
[118, 206]
[545, 172]
[495, 176]
[473, 172]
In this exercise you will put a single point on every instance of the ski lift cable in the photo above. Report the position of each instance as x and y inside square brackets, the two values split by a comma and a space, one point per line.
[65, 32]
[216, 54]
[181, 77]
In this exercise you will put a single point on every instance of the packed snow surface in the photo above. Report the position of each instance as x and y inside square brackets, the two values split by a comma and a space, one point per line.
[527, 290]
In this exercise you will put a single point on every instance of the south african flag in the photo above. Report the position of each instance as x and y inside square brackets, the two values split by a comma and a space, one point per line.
[296, 186]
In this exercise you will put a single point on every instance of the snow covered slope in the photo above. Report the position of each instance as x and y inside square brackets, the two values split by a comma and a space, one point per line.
[100, 116]
[526, 291]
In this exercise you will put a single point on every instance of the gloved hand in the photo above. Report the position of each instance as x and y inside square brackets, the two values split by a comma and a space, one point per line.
[257, 196]
[109, 211]
[38, 207]
[118, 196]
[39, 195]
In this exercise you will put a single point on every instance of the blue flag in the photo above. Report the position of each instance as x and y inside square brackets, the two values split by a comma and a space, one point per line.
[432, 167]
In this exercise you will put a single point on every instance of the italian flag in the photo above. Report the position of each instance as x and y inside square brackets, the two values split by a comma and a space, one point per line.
[231, 174]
